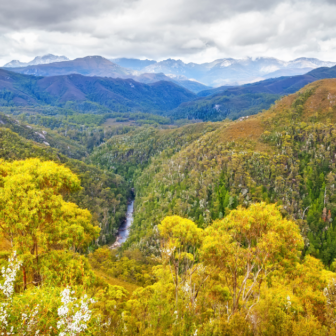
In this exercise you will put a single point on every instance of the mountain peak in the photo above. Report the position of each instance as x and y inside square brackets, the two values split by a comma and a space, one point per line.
[89, 66]
[45, 59]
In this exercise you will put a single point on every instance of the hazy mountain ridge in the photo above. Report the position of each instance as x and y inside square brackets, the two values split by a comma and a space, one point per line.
[230, 71]
[102, 67]
[132, 63]
[46, 59]
[226, 71]
[183, 81]
[88, 66]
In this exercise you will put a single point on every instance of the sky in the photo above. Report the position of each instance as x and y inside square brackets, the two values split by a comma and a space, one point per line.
[191, 30]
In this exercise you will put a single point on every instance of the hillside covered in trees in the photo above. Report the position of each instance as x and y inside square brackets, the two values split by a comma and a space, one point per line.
[104, 194]
[84, 93]
[237, 101]
[284, 156]
[130, 153]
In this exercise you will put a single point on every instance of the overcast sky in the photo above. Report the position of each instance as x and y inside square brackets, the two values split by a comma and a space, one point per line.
[192, 30]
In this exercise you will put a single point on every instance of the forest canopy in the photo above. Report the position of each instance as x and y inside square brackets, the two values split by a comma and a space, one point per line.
[241, 275]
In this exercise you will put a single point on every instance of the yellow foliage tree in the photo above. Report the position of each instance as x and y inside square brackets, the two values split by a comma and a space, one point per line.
[247, 279]
[181, 239]
[246, 247]
[34, 217]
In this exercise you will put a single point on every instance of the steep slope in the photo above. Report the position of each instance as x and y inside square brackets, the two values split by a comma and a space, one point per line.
[285, 155]
[47, 138]
[128, 154]
[15, 89]
[104, 194]
[115, 94]
[234, 102]
[212, 91]
[191, 85]
[90, 93]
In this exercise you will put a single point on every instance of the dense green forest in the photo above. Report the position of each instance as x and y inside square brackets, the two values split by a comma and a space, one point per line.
[76, 134]
[66, 146]
[224, 105]
[130, 153]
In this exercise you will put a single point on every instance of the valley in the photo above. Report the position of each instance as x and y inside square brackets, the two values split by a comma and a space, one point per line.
[260, 158]
[157, 200]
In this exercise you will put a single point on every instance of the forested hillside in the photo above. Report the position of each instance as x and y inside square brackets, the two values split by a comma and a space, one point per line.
[68, 147]
[130, 153]
[104, 194]
[94, 94]
[238, 101]
[75, 134]
[285, 156]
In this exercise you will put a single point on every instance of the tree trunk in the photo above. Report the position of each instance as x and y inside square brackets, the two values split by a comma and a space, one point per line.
[37, 276]
[24, 278]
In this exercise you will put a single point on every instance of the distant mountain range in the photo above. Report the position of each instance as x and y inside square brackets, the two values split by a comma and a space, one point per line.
[95, 94]
[193, 76]
[102, 67]
[46, 59]
[230, 71]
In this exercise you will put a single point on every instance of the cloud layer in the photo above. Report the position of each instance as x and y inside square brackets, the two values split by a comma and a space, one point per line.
[193, 30]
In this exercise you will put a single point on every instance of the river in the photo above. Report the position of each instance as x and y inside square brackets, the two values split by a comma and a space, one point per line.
[124, 229]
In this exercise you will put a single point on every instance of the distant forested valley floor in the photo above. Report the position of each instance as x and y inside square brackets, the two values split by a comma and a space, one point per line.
[234, 221]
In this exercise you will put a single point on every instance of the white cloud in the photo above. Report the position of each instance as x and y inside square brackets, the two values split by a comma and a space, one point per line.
[193, 30]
